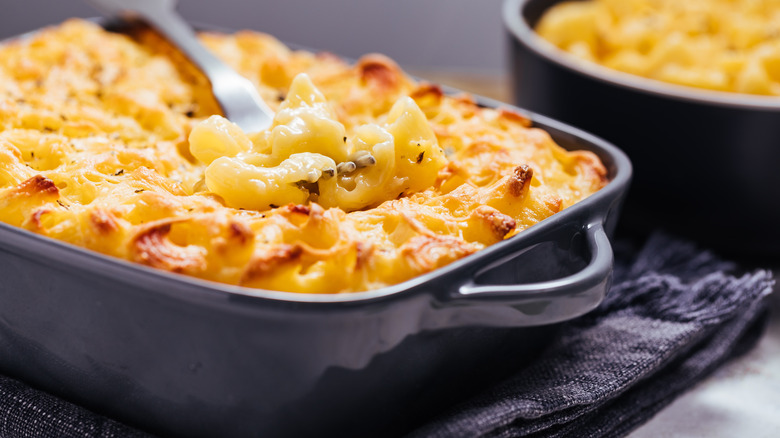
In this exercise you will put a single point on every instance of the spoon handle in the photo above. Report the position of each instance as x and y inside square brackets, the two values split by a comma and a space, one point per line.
[236, 95]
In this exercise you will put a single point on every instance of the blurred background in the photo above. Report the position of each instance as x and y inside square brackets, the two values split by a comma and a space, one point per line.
[458, 42]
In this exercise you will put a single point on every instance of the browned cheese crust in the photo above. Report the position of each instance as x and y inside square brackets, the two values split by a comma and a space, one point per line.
[94, 152]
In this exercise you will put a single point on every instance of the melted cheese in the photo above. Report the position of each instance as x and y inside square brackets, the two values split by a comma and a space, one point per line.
[295, 161]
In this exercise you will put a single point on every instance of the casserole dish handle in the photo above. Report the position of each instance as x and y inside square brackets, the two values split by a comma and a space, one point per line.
[591, 280]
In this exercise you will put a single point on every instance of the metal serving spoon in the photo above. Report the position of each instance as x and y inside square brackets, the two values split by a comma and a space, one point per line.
[236, 95]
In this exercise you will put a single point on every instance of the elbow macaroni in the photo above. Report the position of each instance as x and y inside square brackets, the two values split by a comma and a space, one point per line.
[116, 145]
[295, 161]
[721, 45]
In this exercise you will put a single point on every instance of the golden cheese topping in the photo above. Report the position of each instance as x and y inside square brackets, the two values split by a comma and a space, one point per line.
[722, 45]
[365, 179]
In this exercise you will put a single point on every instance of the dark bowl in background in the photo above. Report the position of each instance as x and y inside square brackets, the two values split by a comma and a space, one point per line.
[707, 164]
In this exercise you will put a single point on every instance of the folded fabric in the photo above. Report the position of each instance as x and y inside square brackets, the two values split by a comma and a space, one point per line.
[673, 315]
[27, 412]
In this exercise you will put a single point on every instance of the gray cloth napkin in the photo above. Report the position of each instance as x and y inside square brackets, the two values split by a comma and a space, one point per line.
[673, 315]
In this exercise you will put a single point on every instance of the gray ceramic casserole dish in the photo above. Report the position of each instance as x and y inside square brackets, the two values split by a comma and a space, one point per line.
[706, 163]
[178, 356]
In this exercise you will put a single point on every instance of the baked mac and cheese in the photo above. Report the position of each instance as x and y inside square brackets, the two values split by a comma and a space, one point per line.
[722, 45]
[365, 179]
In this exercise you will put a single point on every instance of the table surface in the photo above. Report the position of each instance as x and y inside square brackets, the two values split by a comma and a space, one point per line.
[742, 398]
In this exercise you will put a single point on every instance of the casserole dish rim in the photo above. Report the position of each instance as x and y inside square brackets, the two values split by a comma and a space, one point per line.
[619, 173]
[518, 26]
